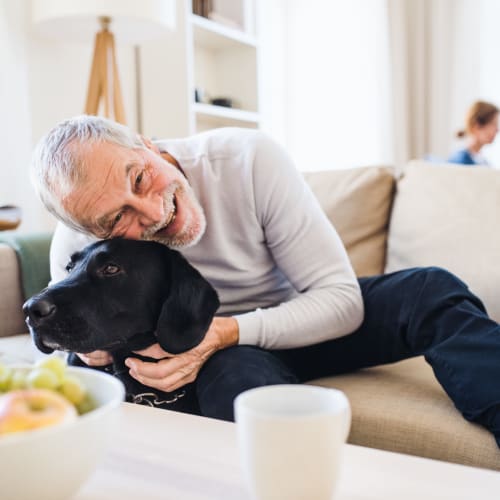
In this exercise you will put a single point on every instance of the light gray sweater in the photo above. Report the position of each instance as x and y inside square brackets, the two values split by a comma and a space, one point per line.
[277, 263]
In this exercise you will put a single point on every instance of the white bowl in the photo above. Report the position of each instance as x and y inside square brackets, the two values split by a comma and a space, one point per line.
[53, 462]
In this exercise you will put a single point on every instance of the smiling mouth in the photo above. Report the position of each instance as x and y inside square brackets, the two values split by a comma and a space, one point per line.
[171, 218]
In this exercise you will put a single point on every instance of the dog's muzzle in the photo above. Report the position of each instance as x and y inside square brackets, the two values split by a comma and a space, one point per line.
[39, 310]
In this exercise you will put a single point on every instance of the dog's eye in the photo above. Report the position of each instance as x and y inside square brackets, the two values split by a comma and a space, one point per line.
[111, 269]
[69, 267]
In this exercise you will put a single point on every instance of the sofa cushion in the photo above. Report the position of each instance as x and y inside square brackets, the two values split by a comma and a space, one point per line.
[12, 319]
[358, 202]
[447, 216]
[33, 251]
[402, 408]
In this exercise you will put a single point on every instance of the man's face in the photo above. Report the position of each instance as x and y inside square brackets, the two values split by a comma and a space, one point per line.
[135, 194]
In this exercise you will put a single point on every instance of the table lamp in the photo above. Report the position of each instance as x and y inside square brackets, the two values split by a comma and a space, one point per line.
[133, 21]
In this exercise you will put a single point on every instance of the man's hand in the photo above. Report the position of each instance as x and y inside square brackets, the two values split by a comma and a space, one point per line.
[96, 358]
[174, 371]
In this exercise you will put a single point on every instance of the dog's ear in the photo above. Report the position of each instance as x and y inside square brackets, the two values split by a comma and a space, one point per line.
[188, 309]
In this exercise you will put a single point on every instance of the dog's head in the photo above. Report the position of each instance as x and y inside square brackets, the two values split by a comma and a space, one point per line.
[123, 294]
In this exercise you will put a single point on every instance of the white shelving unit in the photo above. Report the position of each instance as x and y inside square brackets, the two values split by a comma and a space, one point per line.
[214, 59]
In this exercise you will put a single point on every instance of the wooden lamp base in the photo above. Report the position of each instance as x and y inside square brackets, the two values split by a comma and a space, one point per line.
[104, 82]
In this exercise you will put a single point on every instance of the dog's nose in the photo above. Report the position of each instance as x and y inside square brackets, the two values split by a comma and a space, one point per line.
[39, 309]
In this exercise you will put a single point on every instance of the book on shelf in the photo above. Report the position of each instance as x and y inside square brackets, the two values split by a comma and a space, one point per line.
[202, 7]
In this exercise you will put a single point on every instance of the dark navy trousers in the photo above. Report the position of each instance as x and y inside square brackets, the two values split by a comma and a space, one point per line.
[420, 311]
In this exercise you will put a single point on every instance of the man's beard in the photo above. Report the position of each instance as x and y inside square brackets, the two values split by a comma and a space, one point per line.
[194, 224]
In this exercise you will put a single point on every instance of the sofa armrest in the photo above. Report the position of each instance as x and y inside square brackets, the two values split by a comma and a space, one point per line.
[24, 271]
[11, 294]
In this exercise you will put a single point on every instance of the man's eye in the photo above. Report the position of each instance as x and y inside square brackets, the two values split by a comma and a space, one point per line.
[117, 219]
[138, 181]
[111, 269]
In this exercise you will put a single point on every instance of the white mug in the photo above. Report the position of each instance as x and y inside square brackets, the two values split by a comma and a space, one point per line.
[291, 439]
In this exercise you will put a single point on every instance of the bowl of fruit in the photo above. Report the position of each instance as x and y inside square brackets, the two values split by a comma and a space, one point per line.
[55, 424]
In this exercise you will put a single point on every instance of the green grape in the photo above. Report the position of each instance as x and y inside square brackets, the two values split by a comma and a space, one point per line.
[73, 389]
[5, 377]
[48, 373]
[42, 378]
[18, 380]
[55, 364]
[87, 404]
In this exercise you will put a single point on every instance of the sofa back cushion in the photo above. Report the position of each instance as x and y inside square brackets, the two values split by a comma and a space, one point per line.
[358, 202]
[448, 216]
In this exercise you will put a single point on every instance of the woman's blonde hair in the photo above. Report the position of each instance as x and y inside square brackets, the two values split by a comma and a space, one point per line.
[479, 114]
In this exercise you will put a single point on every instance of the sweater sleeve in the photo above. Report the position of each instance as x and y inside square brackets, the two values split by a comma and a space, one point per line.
[308, 251]
[65, 242]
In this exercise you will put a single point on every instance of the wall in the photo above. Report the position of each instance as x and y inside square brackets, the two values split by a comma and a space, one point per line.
[272, 88]
[324, 89]
[379, 81]
[43, 82]
[15, 129]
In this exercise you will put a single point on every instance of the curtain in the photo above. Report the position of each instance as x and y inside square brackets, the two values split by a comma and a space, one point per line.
[422, 73]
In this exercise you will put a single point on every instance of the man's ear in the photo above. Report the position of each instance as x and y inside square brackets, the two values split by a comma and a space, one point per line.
[188, 310]
[149, 144]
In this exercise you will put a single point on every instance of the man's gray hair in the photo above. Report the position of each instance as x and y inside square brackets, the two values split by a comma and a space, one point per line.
[58, 161]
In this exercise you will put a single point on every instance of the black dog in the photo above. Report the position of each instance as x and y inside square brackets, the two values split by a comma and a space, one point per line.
[121, 296]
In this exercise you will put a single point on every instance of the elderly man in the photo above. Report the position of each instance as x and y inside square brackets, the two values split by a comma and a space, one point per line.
[291, 307]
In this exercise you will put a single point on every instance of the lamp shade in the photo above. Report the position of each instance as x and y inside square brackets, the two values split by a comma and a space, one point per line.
[133, 21]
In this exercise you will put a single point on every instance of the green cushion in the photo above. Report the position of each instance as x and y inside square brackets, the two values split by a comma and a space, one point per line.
[32, 251]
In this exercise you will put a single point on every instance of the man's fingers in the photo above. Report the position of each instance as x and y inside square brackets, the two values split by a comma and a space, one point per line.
[96, 358]
[154, 351]
[168, 384]
[167, 374]
[161, 369]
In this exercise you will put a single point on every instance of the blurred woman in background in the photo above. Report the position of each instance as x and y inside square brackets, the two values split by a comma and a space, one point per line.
[481, 127]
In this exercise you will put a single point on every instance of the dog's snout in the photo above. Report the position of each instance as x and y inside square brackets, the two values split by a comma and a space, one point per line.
[39, 309]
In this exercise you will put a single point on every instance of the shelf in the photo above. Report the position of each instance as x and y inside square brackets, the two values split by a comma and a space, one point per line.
[212, 35]
[228, 116]
[216, 57]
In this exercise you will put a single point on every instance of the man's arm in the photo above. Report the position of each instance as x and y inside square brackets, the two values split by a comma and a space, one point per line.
[174, 371]
[309, 252]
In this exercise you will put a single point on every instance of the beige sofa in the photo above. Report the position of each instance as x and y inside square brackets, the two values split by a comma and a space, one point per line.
[431, 215]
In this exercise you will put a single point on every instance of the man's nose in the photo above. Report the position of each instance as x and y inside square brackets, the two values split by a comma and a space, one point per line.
[150, 210]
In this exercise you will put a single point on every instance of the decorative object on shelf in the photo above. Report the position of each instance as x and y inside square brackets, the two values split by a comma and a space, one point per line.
[227, 102]
[10, 217]
[131, 20]
[200, 95]
[220, 11]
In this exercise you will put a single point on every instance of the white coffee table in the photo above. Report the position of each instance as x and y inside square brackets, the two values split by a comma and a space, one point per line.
[158, 454]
